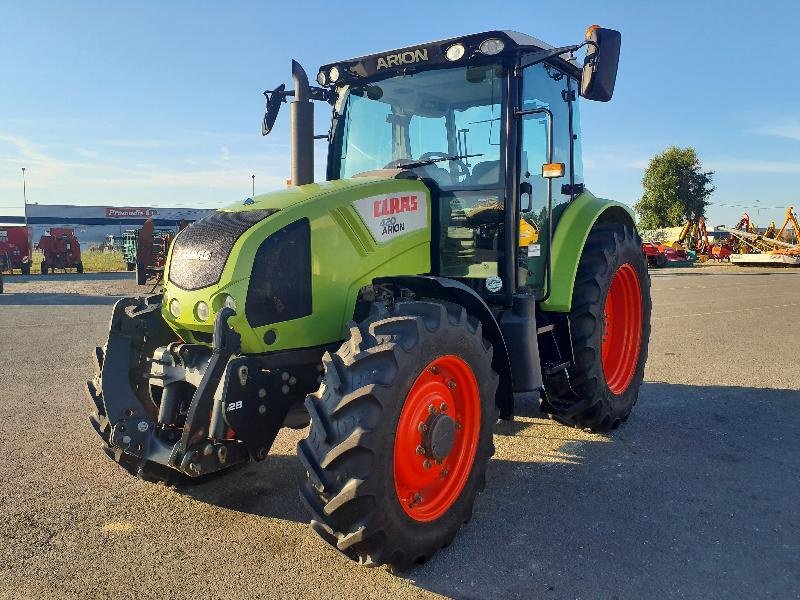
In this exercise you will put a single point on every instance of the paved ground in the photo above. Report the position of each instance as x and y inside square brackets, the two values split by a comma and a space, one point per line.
[696, 496]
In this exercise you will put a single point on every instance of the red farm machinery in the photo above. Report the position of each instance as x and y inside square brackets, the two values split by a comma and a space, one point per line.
[15, 249]
[61, 250]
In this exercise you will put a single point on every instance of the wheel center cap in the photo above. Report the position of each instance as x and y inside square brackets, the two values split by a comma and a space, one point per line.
[440, 436]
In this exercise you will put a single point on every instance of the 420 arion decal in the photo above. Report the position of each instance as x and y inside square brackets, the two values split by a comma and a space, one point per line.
[388, 217]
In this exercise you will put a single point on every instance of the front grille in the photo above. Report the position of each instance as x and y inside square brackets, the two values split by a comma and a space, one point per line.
[280, 285]
[200, 251]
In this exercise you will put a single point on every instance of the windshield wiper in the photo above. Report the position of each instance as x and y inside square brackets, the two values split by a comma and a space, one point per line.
[430, 161]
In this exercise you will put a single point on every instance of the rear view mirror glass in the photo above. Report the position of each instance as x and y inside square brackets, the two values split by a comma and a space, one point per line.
[600, 65]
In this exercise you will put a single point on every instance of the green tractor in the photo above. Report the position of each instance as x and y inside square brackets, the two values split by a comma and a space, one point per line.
[451, 265]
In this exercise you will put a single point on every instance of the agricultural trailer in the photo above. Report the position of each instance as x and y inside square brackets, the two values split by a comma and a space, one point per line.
[15, 249]
[61, 250]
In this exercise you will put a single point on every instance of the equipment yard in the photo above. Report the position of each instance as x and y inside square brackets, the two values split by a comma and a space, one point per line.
[695, 496]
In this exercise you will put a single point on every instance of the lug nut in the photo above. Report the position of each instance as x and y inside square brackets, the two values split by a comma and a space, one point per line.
[262, 409]
[426, 464]
[443, 473]
[262, 393]
[208, 449]
[443, 407]
[420, 450]
[126, 439]
[422, 427]
[451, 384]
[431, 409]
[435, 370]
[222, 454]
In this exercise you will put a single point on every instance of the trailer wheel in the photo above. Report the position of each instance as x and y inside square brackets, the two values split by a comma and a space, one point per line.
[141, 274]
[79, 267]
[610, 326]
[44, 268]
[401, 432]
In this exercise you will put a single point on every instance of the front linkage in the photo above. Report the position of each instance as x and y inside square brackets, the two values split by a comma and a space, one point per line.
[186, 410]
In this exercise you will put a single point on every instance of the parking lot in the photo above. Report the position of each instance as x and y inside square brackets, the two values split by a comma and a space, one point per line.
[696, 496]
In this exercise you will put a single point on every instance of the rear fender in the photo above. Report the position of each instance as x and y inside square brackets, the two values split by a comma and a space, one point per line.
[569, 239]
[442, 288]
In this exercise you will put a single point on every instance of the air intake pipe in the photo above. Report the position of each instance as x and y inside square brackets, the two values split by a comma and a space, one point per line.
[301, 120]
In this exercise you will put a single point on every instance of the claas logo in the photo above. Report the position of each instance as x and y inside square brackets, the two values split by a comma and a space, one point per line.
[394, 205]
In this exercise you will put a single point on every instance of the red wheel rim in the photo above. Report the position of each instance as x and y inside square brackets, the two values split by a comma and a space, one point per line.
[445, 396]
[622, 331]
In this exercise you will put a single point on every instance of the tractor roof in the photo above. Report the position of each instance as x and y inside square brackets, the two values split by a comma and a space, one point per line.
[434, 54]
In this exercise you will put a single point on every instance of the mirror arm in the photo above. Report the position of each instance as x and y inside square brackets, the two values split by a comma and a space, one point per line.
[548, 54]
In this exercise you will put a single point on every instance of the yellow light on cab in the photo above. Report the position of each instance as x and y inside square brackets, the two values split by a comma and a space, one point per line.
[552, 170]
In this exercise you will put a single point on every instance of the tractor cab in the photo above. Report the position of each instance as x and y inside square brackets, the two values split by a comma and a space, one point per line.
[490, 122]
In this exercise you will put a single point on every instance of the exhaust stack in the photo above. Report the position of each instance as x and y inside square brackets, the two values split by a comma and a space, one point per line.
[301, 120]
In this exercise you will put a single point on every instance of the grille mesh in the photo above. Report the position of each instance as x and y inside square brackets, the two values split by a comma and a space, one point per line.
[199, 252]
[280, 285]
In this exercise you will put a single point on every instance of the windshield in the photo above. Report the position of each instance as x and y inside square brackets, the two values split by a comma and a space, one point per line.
[447, 122]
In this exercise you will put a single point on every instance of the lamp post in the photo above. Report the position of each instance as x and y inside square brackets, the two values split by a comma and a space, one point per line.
[254, 184]
[24, 197]
[25, 214]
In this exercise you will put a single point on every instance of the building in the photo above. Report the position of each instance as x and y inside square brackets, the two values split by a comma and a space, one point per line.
[93, 224]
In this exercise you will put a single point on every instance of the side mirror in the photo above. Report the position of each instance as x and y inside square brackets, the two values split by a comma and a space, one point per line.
[600, 64]
[274, 100]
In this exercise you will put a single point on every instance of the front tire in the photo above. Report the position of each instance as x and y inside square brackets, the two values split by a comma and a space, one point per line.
[401, 433]
[610, 326]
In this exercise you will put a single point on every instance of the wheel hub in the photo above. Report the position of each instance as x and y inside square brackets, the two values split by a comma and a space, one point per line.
[440, 436]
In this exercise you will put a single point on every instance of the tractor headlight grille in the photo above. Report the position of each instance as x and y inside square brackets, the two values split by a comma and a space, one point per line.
[199, 252]
[280, 284]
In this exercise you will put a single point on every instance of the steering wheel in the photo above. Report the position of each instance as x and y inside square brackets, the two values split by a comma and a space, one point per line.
[463, 169]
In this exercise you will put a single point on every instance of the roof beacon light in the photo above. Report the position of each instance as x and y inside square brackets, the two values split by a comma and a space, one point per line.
[334, 74]
[491, 46]
[322, 79]
[455, 52]
[590, 30]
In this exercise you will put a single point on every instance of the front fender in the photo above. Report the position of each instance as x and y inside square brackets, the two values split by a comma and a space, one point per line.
[569, 239]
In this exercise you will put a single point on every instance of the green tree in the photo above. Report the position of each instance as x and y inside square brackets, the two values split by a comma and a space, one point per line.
[675, 186]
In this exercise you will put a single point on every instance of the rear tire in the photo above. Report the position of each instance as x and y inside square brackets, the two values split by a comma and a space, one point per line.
[362, 451]
[610, 329]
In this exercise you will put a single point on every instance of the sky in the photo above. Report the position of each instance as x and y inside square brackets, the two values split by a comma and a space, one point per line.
[159, 103]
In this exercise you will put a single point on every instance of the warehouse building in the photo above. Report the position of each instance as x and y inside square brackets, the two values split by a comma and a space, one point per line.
[93, 224]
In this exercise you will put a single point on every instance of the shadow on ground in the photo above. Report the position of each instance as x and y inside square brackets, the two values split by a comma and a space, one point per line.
[694, 496]
[46, 299]
[69, 276]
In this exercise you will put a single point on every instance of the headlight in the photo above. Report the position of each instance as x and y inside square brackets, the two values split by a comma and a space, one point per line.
[455, 52]
[321, 78]
[201, 311]
[334, 74]
[175, 308]
[491, 46]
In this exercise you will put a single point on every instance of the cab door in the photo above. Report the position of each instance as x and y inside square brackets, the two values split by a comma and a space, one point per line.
[545, 138]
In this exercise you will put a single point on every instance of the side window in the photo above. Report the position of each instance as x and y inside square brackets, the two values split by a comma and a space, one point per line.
[542, 87]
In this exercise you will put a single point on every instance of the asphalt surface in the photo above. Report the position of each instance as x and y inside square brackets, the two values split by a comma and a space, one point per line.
[695, 496]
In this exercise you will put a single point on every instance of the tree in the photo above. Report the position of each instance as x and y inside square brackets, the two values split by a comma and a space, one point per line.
[675, 187]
